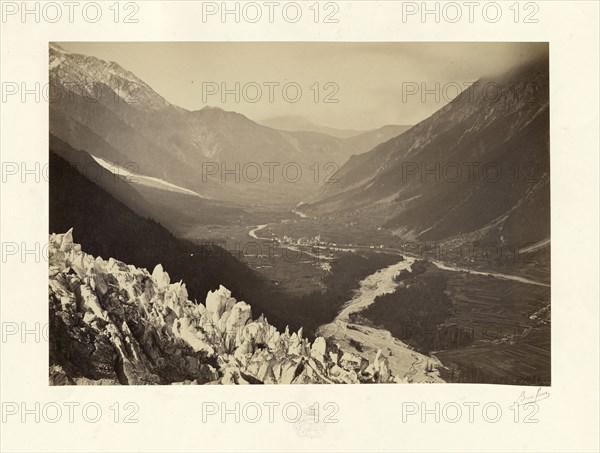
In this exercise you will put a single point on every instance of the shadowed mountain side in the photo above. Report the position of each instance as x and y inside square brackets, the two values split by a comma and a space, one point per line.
[84, 164]
[107, 228]
[177, 211]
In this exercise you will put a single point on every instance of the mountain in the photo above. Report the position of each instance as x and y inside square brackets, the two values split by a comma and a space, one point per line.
[113, 323]
[298, 123]
[100, 107]
[476, 170]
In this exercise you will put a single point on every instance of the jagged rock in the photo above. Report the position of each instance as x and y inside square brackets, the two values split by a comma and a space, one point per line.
[112, 323]
[318, 349]
[58, 376]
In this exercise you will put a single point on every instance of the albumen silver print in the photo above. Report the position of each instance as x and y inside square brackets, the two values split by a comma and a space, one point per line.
[299, 213]
[221, 219]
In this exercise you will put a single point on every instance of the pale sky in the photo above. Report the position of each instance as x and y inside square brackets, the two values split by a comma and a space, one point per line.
[370, 78]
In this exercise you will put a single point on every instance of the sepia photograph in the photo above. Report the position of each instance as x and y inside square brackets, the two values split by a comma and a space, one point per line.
[220, 219]
[299, 213]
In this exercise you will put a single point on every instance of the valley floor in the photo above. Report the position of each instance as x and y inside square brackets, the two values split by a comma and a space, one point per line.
[295, 255]
[512, 343]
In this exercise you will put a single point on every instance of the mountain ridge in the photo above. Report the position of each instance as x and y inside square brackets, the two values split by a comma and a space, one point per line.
[103, 108]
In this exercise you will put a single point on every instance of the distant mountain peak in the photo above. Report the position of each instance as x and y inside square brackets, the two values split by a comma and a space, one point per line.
[297, 123]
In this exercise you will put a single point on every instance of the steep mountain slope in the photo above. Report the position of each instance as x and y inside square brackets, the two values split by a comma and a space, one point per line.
[113, 323]
[478, 169]
[98, 105]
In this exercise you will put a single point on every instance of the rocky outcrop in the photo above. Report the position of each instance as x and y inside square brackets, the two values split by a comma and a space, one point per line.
[113, 323]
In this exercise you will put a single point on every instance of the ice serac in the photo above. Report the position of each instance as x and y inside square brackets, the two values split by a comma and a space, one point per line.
[113, 323]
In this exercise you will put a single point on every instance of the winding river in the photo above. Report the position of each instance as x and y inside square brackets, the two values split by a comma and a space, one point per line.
[405, 363]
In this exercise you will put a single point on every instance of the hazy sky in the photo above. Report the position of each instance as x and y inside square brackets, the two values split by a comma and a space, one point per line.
[367, 79]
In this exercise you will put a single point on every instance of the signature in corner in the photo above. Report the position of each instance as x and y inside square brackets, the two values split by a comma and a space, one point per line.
[532, 398]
